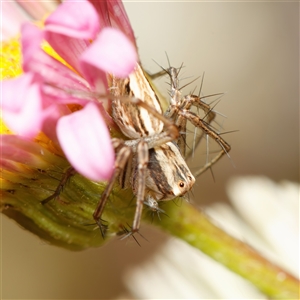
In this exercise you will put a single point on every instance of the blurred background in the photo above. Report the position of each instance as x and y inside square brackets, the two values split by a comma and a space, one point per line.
[250, 51]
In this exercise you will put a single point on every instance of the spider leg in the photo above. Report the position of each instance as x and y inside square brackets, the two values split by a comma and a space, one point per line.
[157, 74]
[122, 156]
[208, 118]
[171, 71]
[140, 183]
[179, 103]
[66, 176]
[208, 131]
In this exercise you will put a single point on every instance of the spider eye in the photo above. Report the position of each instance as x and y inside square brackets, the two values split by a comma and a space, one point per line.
[181, 184]
[190, 178]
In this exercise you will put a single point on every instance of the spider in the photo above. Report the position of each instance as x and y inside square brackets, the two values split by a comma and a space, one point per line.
[151, 160]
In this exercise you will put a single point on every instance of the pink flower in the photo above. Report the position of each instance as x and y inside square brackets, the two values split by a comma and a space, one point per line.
[12, 17]
[14, 13]
[37, 101]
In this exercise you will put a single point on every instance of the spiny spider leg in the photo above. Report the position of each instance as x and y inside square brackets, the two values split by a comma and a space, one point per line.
[122, 157]
[209, 115]
[69, 173]
[123, 153]
[157, 74]
[179, 111]
[140, 184]
[198, 122]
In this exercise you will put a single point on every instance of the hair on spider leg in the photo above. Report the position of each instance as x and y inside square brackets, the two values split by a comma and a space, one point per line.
[218, 100]
[166, 71]
[123, 230]
[198, 137]
[187, 196]
[211, 108]
[196, 140]
[154, 208]
[192, 190]
[196, 174]
[168, 60]
[161, 73]
[206, 96]
[129, 233]
[230, 131]
[182, 87]
[176, 200]
[207, 149]
[212, 173]
[201, 85]
[229, 157]
[221, 94]
[193, 91]
[97, 226]
[210, 152]
[222, 133]
[167, 56]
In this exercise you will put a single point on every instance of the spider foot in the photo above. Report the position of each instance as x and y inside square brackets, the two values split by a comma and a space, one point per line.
[126, 231]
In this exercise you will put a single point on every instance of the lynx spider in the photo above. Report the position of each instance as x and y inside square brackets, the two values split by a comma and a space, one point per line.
[151, 161]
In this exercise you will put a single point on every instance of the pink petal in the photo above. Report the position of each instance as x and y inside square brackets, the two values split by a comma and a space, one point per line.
[68, 48]
[112, 13]
[51, 116]
[86, 142]
[37, 61]
[12, 18]
[31, 40]
[37, 9]
[22, 105]
[74, 19]
[112, 53]
[21, 150]
[120, 19]
[102, 10]
[13, 91]
[70, 28]
[12, 149]
[9, 165]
